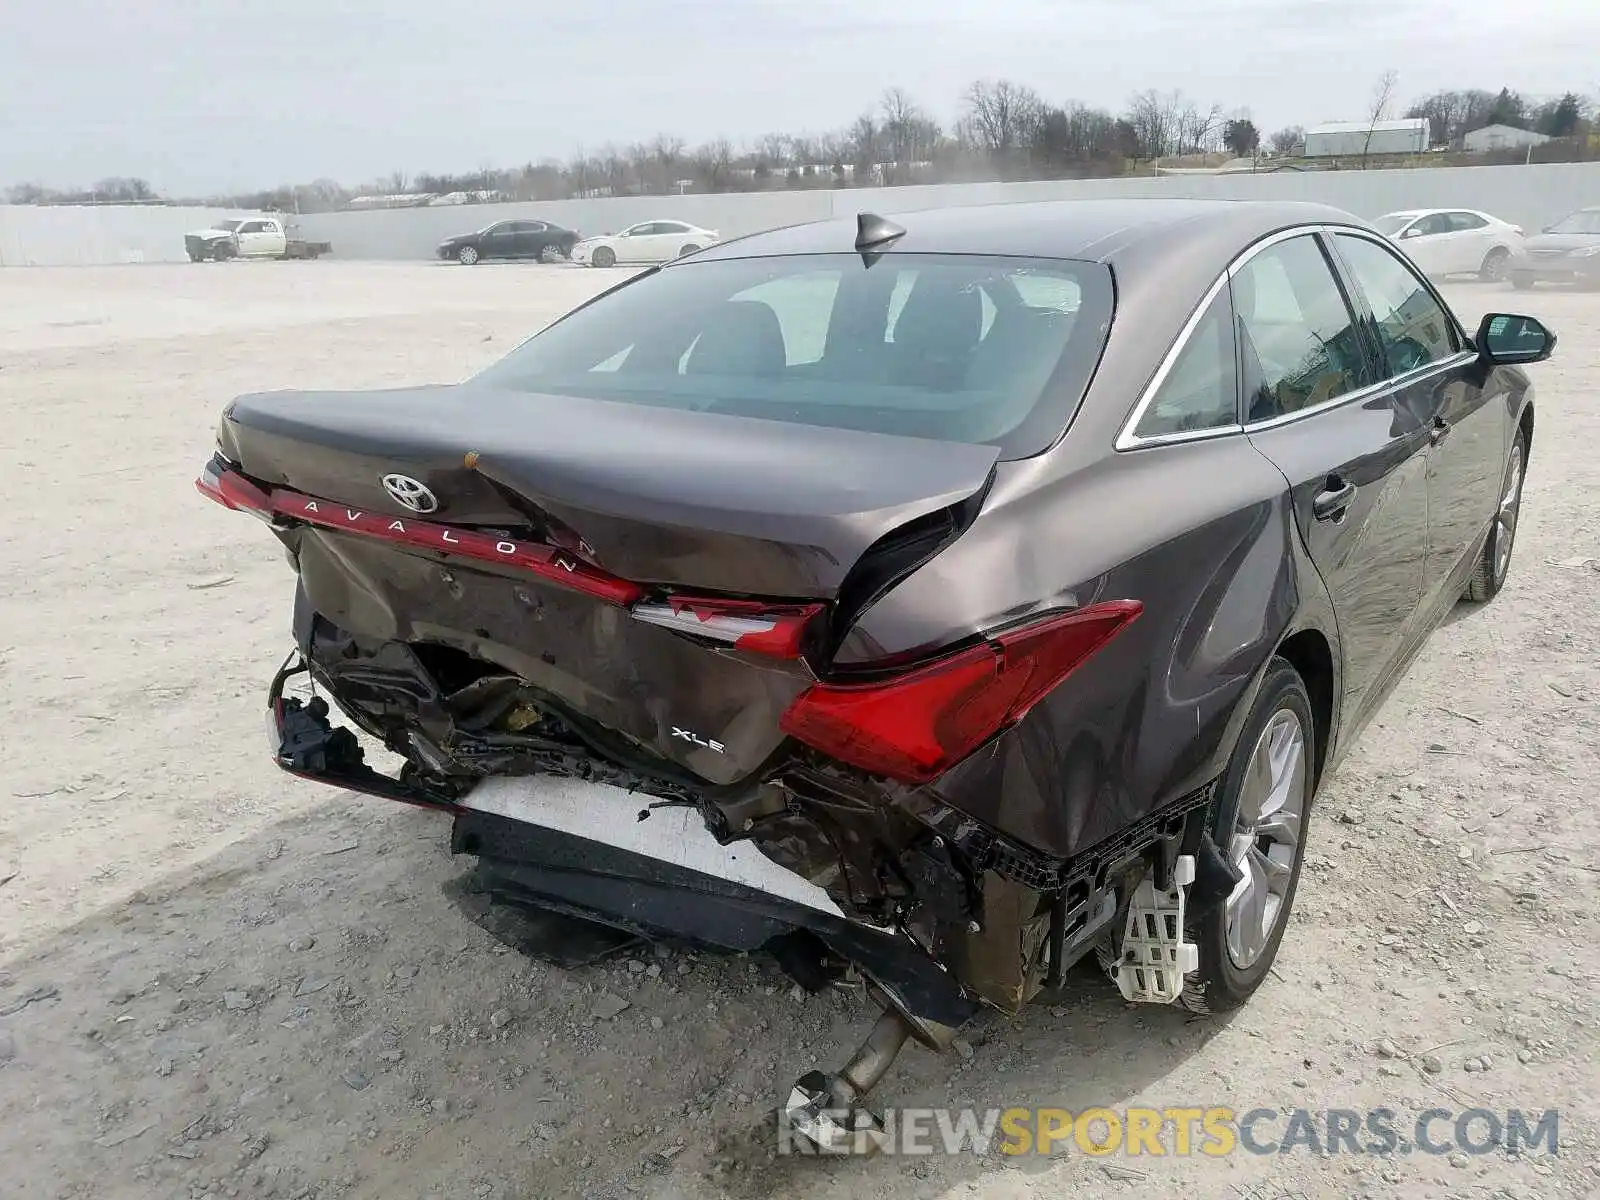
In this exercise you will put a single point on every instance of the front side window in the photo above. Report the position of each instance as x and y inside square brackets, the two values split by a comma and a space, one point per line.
[1300, 344]
[957, 348]
[1413, 327]
[1201, 391]
[252, 227]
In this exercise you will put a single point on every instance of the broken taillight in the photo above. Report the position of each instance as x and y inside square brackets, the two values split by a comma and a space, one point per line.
[775, 630]
[915, 726]
[232, 490]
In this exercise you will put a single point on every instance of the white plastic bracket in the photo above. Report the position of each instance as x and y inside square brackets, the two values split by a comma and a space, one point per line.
[1155, 957]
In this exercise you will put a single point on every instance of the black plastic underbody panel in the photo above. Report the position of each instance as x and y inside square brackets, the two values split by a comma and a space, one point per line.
[646, 896]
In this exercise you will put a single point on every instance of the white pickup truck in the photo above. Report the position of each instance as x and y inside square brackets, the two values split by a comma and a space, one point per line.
[250, 237]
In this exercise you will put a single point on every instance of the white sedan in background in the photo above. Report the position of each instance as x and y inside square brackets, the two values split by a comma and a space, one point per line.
[646, 242]
[1454, 241]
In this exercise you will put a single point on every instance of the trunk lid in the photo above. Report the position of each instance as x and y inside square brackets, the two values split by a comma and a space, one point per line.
[658, 496]
[684, 516]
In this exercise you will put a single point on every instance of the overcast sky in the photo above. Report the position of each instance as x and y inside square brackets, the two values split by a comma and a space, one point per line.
[235, 94]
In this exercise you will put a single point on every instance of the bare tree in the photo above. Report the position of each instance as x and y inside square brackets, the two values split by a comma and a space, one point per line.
[713, 161]
[1159, 122]
[1287, 140]
[1382, 99]
[1001, 115]
[910, 134]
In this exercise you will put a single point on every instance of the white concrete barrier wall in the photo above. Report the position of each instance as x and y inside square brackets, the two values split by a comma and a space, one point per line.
[96, 235]
[1532, 196]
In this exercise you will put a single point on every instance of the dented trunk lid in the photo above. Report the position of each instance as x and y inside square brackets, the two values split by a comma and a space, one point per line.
[660, 496]
[677, 505]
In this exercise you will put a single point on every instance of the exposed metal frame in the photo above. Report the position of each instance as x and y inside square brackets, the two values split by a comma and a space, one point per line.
[1128, 440]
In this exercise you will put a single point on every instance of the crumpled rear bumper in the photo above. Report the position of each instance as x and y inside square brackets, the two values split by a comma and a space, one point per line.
[618, 858]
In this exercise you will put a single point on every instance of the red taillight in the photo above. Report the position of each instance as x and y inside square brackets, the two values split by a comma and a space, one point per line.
[232, 490]
[775, 630]
[916, 726]
[229, 488]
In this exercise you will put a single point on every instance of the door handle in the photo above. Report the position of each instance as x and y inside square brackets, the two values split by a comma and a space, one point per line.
[1331, 503]
[1440, 431]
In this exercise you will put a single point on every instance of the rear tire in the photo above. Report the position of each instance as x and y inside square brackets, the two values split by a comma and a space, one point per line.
[1495, 265]
[1261, 815]
[605, 256]
[1494, 560]
[468, 256]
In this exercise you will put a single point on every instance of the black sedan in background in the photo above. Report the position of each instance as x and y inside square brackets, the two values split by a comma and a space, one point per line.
[540, 240]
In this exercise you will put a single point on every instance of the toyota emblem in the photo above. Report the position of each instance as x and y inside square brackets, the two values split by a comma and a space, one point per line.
[411, 493]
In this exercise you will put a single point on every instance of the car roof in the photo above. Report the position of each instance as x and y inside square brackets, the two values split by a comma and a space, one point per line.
[1089, 230]
[1176, 246]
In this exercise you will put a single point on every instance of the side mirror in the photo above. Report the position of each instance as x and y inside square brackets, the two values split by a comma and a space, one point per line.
[1504, 338]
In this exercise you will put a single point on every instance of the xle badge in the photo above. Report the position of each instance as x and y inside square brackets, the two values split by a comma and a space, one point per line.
[698, 740]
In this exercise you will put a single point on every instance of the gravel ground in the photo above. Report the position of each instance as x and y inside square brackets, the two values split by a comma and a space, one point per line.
[216, 981]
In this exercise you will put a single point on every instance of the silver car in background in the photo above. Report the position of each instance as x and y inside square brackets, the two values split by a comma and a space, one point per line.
[1566, 252]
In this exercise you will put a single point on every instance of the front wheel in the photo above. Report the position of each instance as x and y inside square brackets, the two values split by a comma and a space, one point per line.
[467, 256]
[687, 250]
[1521, 280]
[1495, 265]
[1494, 560]
[1260, 818]
[605, 256]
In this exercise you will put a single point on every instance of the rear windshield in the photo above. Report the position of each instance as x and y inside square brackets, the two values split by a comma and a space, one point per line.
[958, 348]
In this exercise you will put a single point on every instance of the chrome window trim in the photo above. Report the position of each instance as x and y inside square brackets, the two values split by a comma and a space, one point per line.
[1128, 440]
[1394, 381]
[1420, 276]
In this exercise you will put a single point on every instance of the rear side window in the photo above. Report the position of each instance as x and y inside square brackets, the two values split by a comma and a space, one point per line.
[1201, 391]
[1460, 222]
[960, 348]
[1412, 326]
[1299, 343]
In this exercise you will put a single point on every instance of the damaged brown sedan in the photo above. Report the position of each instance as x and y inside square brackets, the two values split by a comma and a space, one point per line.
[955, 597]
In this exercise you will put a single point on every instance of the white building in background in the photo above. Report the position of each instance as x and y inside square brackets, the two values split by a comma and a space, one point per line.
[1501, 137]
[1347, 138]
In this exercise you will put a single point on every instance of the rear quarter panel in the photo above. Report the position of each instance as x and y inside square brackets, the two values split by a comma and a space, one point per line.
[1203, 535]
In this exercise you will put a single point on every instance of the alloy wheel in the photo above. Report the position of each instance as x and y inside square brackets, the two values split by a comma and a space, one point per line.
[1266, 836]
[1505, 518]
